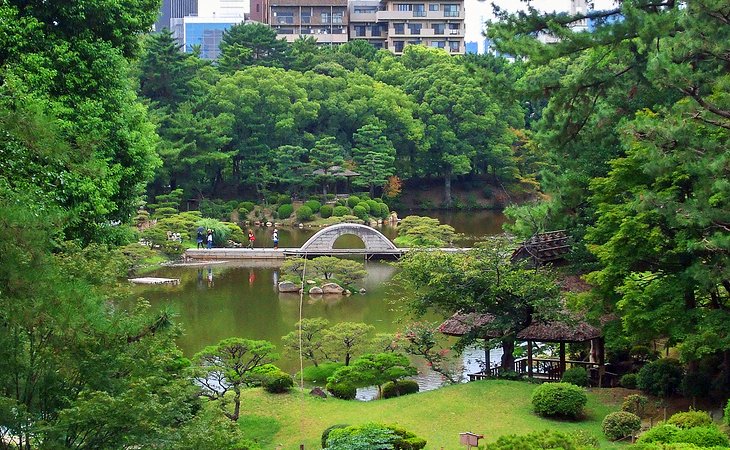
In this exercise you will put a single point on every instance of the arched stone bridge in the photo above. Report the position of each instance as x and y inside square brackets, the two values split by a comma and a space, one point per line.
[324, 240]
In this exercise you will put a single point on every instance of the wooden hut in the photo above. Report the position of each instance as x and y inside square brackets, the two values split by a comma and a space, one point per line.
[549, 369]
[541, 248]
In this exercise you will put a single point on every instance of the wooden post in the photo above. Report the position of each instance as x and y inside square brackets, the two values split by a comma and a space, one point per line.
[562, 359]
[529, 358]
[487, 358]
[601, 354]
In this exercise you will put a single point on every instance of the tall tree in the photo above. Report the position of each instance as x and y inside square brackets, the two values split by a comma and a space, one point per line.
[374, 155]
[164, 76]
[324, 156]
[248, 44]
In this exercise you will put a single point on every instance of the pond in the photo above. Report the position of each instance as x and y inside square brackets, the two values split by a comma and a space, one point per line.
[217, 301]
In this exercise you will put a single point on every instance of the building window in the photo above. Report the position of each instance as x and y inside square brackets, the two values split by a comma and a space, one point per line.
[359, 30]
[414, 42]
[438, 28]
[376, 29]
[451, 10]
[285, 17]
[258, 7]
[438, 44]
[337, 17]
[399, 28]
[433, 7]
[306, 17]
[454, 46]
[404, 7]
[377, 44]
[419, 10]
[365, 9]
[285, 30]
[454, 28]
[326, 18]
[398, 46]
[414, 28]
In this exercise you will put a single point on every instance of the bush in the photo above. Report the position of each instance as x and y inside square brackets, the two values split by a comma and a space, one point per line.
[340, 211]
[726, 418]
[690, 419]
[326, 432]
[325, 211]
[696, 384]
[559, 400]
[642, 353]
[352, 201]
[320, 373]
[575, 375]
[278, 382]
[285, 211]
[363, 205]
[372, 435]
[620, 424]
[304, 213]
[702, 437]
[374, 208]
[546, 439]
[221, 231]
[384, 211]
[314, 205]
[635, 404]
[663, 433]
[330, 196]
[360, 212]
[403, 387]
[661, 377]
[283, 199]
[344, 391]
[628, 381]
[248, 206]
[585, 439]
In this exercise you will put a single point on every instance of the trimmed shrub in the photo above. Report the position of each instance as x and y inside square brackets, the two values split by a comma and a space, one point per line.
[352, 201]
[314, 205]
[278, 382]
[384, 211]
[285, 211]
[330, 196]
[363, 205]
[325, 211]
[373, 435]
[320, 373]
[304, 213]
[403, 387]
[326, 432]
[702, 437]
[585, 439]
[628, 381]
[344, 391]
[559, 400]
[546, 439]
[661, 377]
[690, 419]
[575, 375]
[340, 211]
[661, 433]
[635, 404]
[283, 199]
[374, 208]
[248, 206]
[360, 212]
[620, 424]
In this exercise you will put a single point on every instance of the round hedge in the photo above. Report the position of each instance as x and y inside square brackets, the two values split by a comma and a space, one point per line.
[340, 211]
[559, 400]
[690, 419]
[325, 211]
[278, 382]
[628, 381]
[352, 201]
[314, 205]
[363, 205]
[661, 377]
[545, 439]
[374, 208]
[344, 391]
[575, 375]
[661, 434]
[403, 387]
[285, 211]
[384, 211]
[304, 213]
[248, 206]
[702, 437]
[360, 212]
[620, 424]
[635, 404]
[328, 430]
[283, 199]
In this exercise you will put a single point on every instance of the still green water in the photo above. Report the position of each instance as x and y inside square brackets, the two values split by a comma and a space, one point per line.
[217, 301]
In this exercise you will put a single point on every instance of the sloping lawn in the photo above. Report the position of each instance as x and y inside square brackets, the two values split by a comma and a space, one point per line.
[491, 408]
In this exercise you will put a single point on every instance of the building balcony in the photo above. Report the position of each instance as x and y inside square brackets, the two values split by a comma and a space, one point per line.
[443, 34]
[363, 17]
[422, 15]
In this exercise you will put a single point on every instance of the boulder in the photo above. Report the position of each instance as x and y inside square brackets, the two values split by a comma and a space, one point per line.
[315, 290]
[268, 224]
[288, 286]
[332, 288]
[362, 290]
[347, 292]
[318, 392]
[311, 282]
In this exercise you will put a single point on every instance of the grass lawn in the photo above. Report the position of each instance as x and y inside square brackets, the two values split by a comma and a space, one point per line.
[491, 408]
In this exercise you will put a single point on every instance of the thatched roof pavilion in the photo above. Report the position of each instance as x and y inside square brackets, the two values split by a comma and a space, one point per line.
[541, 248]
[570, 330]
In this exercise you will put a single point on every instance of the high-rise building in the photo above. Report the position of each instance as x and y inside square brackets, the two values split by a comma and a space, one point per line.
[325, 20]
[435, 23]
[175, 9]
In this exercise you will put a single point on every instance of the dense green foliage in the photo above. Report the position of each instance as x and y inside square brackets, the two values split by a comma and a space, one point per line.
[538, 440]
[628, 381]
[374, 369]
[661, 377]
[402, 387]
[620, 424]
[635, 404]
[690, 419]
[372, 436]
[559, 400]
[575, 375]
[703, 437]
[418, 231]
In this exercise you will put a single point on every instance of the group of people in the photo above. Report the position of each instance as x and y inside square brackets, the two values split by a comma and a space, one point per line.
[251, 238]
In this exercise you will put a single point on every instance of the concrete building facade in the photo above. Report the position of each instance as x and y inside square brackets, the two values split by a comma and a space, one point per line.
[324, 20]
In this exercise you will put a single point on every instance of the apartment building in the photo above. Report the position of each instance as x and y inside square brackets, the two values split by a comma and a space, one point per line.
[325, 20]
[393, 24]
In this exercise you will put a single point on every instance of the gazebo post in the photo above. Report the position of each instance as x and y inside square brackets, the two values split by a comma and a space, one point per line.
[529, 358]
[562, 358]
[487, 358]
[601, 359]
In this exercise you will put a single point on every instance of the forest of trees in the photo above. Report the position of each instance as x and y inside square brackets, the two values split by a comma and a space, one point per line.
[623, 131]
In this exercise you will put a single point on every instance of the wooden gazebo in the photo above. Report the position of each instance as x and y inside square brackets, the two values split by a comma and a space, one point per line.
[549, 369]
[542, 248]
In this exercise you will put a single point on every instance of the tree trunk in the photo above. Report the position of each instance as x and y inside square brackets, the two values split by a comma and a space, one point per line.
[236, 405]
[508, 358]
[447, 189]
[372, 190]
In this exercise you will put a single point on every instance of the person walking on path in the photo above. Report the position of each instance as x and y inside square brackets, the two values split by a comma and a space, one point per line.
[210, 239]
[275, 238]
[251, 238]
[200, 238]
